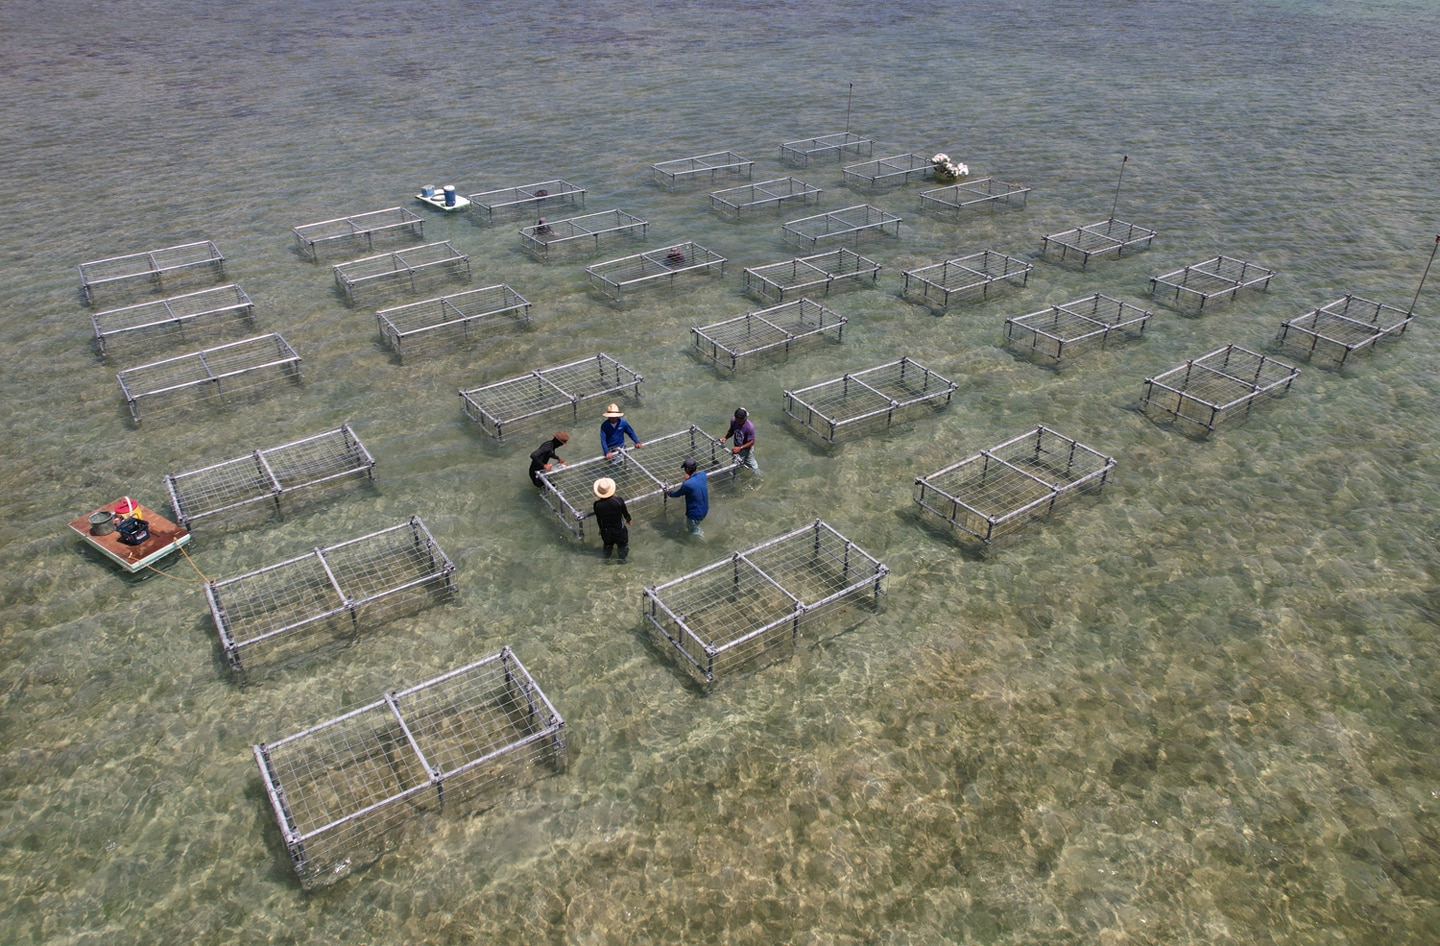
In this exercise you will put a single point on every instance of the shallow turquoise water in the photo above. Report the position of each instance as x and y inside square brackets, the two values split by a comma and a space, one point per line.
[1199, 708]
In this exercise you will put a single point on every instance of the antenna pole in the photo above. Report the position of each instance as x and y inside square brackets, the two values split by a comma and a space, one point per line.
[1116, 201]
[1423, 275]
[850, 98]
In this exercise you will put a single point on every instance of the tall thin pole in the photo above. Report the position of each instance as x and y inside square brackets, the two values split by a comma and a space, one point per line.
[1423, 275]
[1116, 201]
[848, 99]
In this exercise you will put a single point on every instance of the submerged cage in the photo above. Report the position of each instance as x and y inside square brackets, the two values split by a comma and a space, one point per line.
[980, 194]
[842, 226]
[735, 201]
[809, 275]
[290, 609]
[884, 393]
[655, 267]
[642, 477]
[211, 372]
[1000, 489]
[749, 610]
[1205, 391]
[1070, 327]
[1347, 325]
[223, 304]
[525, 198]
[805, 150]
[358, 230]
[450, 317]
[701, 167]
[965, 277]
[584, 232]
[268, 474]
[1098, 239]
[895, 169]
[413, 269]
[153, 270]
[768, 330]
[1220, 278]
[504, 404]
[346, 790]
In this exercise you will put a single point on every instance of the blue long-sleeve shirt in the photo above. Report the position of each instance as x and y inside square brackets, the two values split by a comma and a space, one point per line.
[697, 495]
[613, 432]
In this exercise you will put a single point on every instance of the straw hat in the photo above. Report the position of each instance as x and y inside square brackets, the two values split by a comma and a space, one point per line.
[604, 488]
[614, 411]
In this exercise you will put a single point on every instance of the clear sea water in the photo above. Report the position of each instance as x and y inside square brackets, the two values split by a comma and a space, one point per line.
[1199, 708]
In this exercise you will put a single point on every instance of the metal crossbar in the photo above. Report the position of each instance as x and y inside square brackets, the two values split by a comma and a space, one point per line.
[765, 195]
[772, 329]
[1340, 328]
[804, 150]
[969, 277]
[585, 232]
[655, 267]
[210, 371]
[358, 229]
[152, 268]
[982, 193]
[884, 392]
[1098, 239]
[1207, 390]
[505, 403]
[846, 224]
[701, 166]
[809, 275]
[525, 198]
[455, 315]
[401, 269]
[172, 314]
[1220, 277]
[1091, 321]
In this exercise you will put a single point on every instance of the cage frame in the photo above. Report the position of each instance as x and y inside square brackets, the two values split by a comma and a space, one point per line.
[613, 278]
[1024, 494]
[554, 389]
[1267, 378]
[399, 267]
[982, 193]
[970, 276]
[214, 369]
[763, 195]
[462, 310]
[842, 225]
[803, 405]
[537, 239]
[836, 145]
[355, 228]
[1098, 239]
[684, 624]
[687, 170]
[890, 170]
[806, 274]
[524, 197]
[260, 615]
[171, 314]
[268, 473]
[154, 267]
[324, 845]
[766, 330]
[642, 476]
[1333, 325]
[1063, 326]
[1219, 277]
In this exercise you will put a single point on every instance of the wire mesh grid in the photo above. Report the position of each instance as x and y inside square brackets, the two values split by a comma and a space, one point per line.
[832, 146]
[450, 317]
[170, 317]
[412, 268]
[227, 368]
[615, 277]
[884, 392]
[152, 269]
[1220, 278]
[847, 223]
[1109, 236]
[506, 403]
[763, 195]
[701, 167]
[1208, 390]
[774, 329]
[1340, 328]
[982, 193]
[970, 276]
[581, 233]
[894, 169]
[358, 230]
[809, 275]
[1091, 321]
[525, 198]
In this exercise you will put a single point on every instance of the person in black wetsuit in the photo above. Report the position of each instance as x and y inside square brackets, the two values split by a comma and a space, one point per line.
[545, 455]
[612, 517]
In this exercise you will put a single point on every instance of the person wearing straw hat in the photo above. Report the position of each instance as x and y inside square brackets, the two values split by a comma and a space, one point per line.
[613, 431]
[546, 455]
[696, 491]
[612, 517]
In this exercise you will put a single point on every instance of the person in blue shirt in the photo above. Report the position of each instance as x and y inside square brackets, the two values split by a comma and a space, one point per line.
[697, 496]
[613, 431]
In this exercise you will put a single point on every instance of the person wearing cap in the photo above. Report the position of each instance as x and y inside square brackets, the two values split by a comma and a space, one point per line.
[743, 430]
[612, 517]
[613, 431]
[545, 455]
[697, 495]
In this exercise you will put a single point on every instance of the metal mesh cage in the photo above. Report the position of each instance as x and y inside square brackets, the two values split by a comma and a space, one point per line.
[846, 225]
[456, 317]
[773, 330]
[1220, 278]
[765, 195]
[1093, 321]
[701, 167]
[210, 372]
[1200, 394]
[884, 393]
[895, 169]
[586, 232]
[1104, 238]
[1335, 331]
[810, 275]
[153, 270]
[525, 199]
[826, 147]
[659, 267]
[172, 317]
[965, 277]
[410, 269]
[980, 194]
[504, 404]
[358, 230]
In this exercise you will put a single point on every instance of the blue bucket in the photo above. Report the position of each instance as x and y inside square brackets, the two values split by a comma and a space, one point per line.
[449, 195]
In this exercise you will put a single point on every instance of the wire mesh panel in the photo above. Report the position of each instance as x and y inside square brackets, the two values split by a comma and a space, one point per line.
[774, 329]
[701, 167]
[965, 277]
[1074, 327]
[146, 321]
[810, 275]
[413, 269]
[528, 199]
[826, 147]
[895, 169]
[1107, 237]
[642, 476]
[454, 317]
[616, 277]
[346, 790]
[1205, 391]
[1347, 325]
[358, 230]
[211, 372]
[849, 224]
[980, 194]
[885, 393]
[153, 270]
[749, 610]
[289, 609]
[504, 404]
[998, 490]
[268, 474]
[580, 233]
[1220, 278]
[780, 192]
